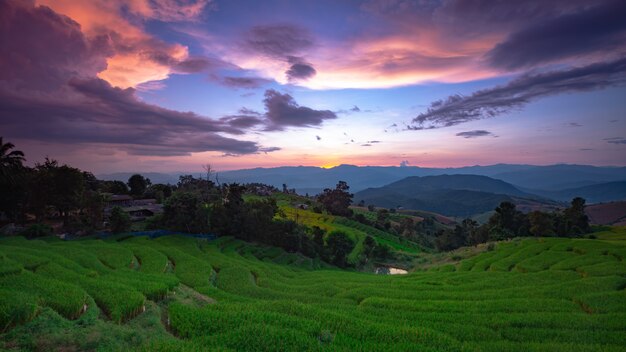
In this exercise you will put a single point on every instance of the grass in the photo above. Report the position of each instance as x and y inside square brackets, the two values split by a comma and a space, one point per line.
[355, 230]
[534, 294]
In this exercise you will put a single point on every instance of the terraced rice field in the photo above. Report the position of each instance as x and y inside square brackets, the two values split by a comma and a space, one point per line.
[183, 294]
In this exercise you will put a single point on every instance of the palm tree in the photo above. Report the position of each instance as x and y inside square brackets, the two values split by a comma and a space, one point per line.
[9, 159]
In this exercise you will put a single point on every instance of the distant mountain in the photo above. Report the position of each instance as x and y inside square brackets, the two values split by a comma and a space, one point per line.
[452, 195]
[561, 177]
[312, 180]
[418, 185]
[598, 193]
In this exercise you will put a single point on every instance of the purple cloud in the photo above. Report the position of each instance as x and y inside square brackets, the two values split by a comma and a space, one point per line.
[60, 100]
[488, 103]
[283, 111]
[278, 41]
[244, 82]
[299, 69]
[600, 28]
[474, 134]
[616, 140]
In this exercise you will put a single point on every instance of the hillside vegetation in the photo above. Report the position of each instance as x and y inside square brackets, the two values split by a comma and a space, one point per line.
[184, 294]
[451, 195]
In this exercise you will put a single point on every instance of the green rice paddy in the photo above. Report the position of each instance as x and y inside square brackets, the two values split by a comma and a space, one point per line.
[183, 294]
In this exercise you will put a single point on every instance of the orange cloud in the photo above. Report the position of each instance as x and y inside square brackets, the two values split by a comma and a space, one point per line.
[382, 62]
[138, 57]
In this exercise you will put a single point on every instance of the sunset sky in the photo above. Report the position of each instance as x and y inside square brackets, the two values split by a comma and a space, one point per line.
[169, 85]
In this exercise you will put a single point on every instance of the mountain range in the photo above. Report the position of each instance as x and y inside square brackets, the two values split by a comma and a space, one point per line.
[451, 195]
[559, 182]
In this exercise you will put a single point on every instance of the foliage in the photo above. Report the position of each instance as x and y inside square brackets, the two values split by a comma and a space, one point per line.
[37, 230]
[507, 222]
[138, 185]
[337, 201]
[185, 211]
[114, 187]
[339, 246]
[119, 221]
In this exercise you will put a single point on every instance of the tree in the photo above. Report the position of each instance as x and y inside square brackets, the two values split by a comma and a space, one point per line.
[119, 221]
[68, 187]
[138, 185]
[381, 251]
[339, 247]
[10, 160]
[185, 211]
[337, 201]
[92, 207]
[575, 218]
[159, 191]
[368, 245]
[60, 187]
[540, 224]
[13, 181]
[115, 187]
[449, 240]
[505, 222]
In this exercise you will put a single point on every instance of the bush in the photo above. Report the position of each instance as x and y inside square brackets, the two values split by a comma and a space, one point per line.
[37, 230]
[119, 220]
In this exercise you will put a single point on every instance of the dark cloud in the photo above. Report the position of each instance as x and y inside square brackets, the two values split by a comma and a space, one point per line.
[278, 41]
[242, 121]
[283, 111]
[601, 28]
[616, 140]
[318, 138]
[404, 163]
[49, 93]
[355, 109]
[39, 48]
[299, 69]
[574, 124]
[194, 65]
[474, 134]
[585, 149]
[269, 149]
[366, 145]
[92, 111]
[471, 17]
[246, 111]
[487, 103]
[244, 82]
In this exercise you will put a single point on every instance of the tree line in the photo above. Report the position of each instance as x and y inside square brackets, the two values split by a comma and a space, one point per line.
[507, 222]
[49, 192]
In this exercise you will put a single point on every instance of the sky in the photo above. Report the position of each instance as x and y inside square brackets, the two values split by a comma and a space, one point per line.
[171, 85]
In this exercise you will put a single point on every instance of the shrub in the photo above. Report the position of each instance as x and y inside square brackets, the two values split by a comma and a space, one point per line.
[37, 230]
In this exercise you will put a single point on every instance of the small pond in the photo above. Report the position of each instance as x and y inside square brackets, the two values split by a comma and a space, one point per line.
[388, 270]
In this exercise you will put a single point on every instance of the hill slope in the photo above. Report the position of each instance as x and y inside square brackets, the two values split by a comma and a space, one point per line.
[598, 193]
[613, 213]
[184, 294]
[560, 177]
[452, 195]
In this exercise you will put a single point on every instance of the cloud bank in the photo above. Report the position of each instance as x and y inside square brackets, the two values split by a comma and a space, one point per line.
[488, 103]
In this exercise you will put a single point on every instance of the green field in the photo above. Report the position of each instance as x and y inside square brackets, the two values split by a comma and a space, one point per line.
[183, 294]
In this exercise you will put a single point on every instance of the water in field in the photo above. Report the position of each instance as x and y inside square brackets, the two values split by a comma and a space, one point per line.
[387, 270]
